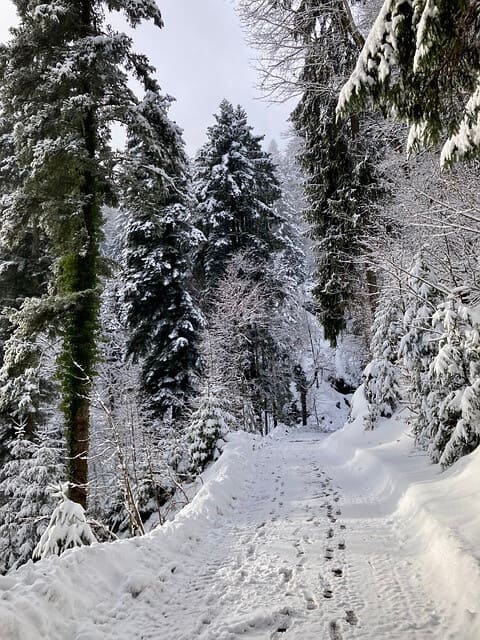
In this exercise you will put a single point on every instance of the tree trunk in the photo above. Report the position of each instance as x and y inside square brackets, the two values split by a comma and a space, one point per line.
[82, 284]
[303, 402]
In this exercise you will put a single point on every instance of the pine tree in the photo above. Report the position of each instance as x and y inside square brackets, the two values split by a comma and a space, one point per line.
[67, 529]
[161, 318]
[236, 188]
[292, 230]
[381, 375]
[419, 346]
[64, 81]
[207, 426]
[422, 60]
[342, 183]
[456, 368]
[25, 493]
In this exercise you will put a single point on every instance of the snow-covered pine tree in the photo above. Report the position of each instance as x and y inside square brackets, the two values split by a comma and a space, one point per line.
[23, 273]
[236, 188]
[419, 345]
[208, 424]
[26, 500]
[402, 68]
[68, 527]
[342, 182]
[292, 229]
[65, 79]
[381, 374]
[456, 369]
[161, 318]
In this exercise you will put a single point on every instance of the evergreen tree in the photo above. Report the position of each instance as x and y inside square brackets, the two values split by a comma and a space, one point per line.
[25, 494]
[23, 273]
[64, 81]
[342, 182]
[236, 188]
[291, 259]
[208, 425]
[381, 375]
[422, 60]
[161, 318]
[419, 346]
[68, 528]
[456, 369]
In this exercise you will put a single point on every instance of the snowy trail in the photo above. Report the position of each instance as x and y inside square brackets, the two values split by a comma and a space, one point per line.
[286, 562]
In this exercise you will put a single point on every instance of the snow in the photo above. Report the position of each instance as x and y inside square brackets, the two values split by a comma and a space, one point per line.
[298, 535]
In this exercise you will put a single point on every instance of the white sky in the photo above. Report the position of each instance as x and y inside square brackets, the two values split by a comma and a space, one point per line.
[201, 58]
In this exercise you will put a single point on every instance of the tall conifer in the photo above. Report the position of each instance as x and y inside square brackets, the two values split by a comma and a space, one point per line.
[64, 81]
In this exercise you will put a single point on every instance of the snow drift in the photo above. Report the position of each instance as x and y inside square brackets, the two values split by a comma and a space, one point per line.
[53, 599]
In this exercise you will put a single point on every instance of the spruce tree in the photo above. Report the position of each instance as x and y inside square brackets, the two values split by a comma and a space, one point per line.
[208, 425]
[162, 320]
[26, 481]
[419, 346]
[342, 183]
[236, 188]
[456, 369]
[422, 61]
[381, 374]
[64, 81]
[289, 207]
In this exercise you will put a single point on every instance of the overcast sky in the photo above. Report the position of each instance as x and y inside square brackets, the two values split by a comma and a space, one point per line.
[201, 58]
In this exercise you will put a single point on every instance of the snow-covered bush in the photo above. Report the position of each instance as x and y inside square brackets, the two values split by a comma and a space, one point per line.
[68, 528]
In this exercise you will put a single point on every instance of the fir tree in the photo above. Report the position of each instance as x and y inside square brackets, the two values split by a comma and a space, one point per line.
[422, 60]
[381, 375]
[208, 425]
[289, 207]
[64, 81]
[236, 188]
[26, 495]
[67, 529]
[161, 318]
[419, 346]
[342, 182]
[456, 368]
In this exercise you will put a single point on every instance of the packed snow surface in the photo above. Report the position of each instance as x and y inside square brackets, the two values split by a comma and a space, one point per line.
[299, 535]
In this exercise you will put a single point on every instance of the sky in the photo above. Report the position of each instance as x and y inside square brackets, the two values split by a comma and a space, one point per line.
[201, 57]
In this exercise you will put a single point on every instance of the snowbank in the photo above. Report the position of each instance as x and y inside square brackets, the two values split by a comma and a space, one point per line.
[435, 514]
[53, 599]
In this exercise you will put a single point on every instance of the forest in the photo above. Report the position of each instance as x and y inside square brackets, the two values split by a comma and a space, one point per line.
[159, 309]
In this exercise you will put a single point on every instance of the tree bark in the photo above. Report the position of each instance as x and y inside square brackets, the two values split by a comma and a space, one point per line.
[80, 333]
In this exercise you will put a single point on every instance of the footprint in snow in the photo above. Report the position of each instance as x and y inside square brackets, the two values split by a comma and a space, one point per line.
[327, 593]
[286, 572]
[334, 631]
[350, 617]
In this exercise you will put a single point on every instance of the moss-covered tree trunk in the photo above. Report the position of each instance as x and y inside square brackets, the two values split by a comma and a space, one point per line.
[80, 280]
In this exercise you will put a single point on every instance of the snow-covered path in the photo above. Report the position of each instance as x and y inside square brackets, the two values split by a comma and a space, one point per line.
[299, 536]
[284, 563]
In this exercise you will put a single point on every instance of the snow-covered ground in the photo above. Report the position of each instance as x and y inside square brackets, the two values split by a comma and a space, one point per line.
[300, 535]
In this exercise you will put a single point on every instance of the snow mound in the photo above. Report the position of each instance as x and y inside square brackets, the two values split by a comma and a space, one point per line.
[53, 599]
